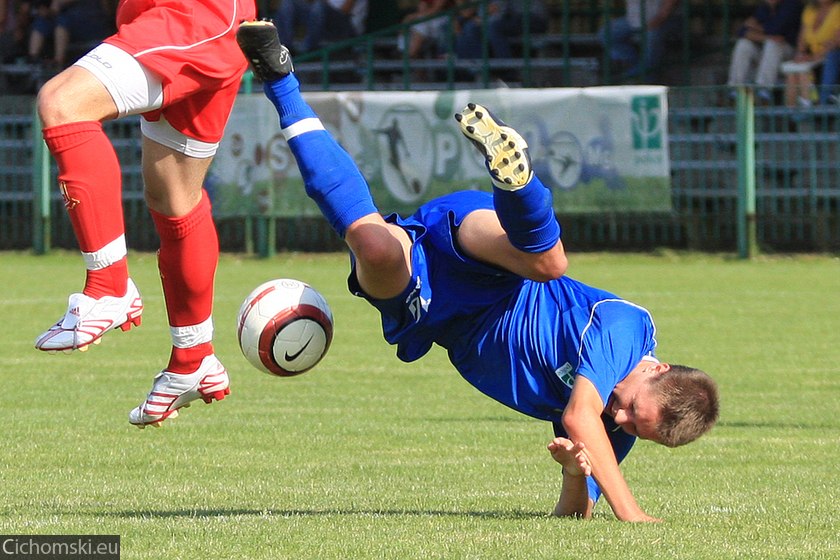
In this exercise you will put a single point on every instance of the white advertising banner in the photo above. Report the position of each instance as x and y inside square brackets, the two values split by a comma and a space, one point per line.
[601, 149]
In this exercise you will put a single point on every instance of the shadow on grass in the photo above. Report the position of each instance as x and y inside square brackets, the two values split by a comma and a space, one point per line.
[210, 513]
[477, 419]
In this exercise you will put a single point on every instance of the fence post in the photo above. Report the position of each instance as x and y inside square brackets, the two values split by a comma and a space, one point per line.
[247, 88]
[745, 117]
[41, 230]
[266, 234]
[526, 44]
[606, 57]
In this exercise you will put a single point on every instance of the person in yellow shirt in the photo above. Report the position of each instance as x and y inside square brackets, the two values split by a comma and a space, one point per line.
[819, 34]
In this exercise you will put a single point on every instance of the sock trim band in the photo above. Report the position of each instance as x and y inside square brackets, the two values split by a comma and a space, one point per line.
[304, 125]
[111, 253]
[192, 335]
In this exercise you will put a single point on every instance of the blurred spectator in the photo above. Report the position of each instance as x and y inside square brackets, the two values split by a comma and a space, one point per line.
[426, 36]
[505, 21]
[819, 34]
[332, 19]
[830, 77]
[15, 18]
[623, 35]
[66, 22]
[767, 38]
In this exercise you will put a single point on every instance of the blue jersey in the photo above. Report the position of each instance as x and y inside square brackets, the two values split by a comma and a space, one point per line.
[519, 342]
[529, 349]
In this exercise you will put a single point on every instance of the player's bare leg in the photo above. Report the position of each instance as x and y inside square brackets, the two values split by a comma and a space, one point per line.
[383, 256]
[74, 95]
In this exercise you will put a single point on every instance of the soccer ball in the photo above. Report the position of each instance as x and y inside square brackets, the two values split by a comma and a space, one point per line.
[284, 327]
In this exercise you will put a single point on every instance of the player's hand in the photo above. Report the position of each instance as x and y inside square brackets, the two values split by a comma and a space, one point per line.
[571, 455]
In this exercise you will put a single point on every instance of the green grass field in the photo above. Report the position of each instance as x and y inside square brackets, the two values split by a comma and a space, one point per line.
[367, 457]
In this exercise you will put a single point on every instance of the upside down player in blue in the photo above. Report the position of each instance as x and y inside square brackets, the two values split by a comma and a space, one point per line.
[481, 275]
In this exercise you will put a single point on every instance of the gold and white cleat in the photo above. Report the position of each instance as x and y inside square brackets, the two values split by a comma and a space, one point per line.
[505, 151]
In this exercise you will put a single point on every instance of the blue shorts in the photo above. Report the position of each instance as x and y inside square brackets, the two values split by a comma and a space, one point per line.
[448, 291]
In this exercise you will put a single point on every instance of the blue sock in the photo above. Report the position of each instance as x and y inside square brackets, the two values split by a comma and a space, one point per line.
[332, 179]
[330, 175]
[527, 216]
[285, 95]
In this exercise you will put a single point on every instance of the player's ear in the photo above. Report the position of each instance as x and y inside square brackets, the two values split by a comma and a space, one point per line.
[661, 368]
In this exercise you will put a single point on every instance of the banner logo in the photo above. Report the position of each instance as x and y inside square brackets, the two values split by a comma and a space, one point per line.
[406, 152]
[646, 115]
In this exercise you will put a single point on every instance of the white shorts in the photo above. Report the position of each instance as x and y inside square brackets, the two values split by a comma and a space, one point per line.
[135, 91]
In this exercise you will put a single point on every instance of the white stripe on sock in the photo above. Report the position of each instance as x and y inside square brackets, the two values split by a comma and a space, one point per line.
[107, 255]
[303, 125]
[192, 335]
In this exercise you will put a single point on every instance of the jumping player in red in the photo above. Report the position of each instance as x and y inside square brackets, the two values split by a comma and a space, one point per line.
[176, 64]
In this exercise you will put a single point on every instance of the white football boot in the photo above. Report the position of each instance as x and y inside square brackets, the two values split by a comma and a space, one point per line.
[505, 151]
[87, 319]
[171, 391]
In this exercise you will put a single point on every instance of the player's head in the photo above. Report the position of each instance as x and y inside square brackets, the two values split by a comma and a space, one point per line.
[688, 404]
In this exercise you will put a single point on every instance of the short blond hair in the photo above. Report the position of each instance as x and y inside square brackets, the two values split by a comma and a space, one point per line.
[689, 407]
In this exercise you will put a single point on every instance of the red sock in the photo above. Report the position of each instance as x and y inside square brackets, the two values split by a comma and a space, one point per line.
[187, 360]
[91, 184]
[189, 253]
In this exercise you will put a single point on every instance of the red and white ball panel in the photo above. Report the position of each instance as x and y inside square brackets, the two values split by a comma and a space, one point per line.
[285, 327]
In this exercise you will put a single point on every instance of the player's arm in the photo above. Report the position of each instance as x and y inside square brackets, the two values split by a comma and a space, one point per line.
[574, 496]
[582, 421]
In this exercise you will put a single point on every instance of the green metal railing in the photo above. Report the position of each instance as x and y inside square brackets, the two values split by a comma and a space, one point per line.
[744, 177]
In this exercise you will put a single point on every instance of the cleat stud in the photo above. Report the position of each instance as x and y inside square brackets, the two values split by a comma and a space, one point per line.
[470, 128]
[471, 106]
[521, 167]
[459, 117]
[155, 424]
[504, 136]
[489, 159]
[98, 340]
[517, 155]
[479, 115]
[82, 348]
[511, 144]
[207, 399]
[508, 180]
[506, 161]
